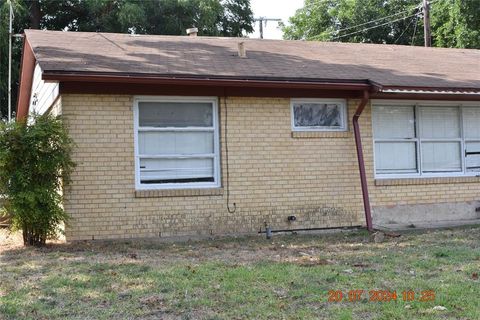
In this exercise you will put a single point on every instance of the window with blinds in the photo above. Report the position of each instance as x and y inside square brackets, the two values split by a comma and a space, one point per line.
[176, 143]
[426, 140]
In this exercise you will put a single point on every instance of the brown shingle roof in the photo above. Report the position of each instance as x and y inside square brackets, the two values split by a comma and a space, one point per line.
[387, 65]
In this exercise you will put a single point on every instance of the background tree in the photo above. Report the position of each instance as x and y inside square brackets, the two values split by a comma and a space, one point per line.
[231, 18]
[454, 23]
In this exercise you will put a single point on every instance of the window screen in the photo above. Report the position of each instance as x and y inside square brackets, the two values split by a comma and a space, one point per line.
[441, 157]
[175, 114]
[175, 142]
[440, 137]
[471, 120]
[439, 123]
[394, 122]
[394, 157]
[395, 144]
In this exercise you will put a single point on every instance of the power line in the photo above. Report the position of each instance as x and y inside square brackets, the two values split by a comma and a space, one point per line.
[408, 26]
[372, 21]
[381, 19]
[414, 31]
[376, 26]
[383, 24]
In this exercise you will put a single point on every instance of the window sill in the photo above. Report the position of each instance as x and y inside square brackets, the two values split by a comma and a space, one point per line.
[178, 193]
[423, 181]
[320, 134]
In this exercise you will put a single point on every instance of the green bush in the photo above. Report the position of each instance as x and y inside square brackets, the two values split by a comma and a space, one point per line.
[35, 162]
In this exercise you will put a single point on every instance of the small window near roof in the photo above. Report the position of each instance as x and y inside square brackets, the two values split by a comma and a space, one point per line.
[319, 115]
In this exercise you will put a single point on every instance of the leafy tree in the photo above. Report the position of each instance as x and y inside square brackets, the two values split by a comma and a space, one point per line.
[172, 17]
[35, 161]
[233, 20]
[454, 23]
[213, 17]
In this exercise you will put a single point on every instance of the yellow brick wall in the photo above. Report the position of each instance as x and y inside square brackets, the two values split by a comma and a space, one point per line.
[56, 107]
[272, 175]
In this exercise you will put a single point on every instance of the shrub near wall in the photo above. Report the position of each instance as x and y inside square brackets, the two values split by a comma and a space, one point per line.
[34, 163]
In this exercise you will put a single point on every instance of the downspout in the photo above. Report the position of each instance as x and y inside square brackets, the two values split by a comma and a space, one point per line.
[361, 162]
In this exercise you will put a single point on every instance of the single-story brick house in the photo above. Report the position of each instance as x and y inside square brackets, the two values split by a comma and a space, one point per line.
[205, 136]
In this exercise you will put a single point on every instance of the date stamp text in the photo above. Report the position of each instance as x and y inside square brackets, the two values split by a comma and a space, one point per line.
[380, 295]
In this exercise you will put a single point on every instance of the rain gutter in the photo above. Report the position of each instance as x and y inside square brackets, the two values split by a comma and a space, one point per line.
[258, 82]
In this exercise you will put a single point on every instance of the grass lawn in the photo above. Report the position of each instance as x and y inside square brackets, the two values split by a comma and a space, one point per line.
[287, 277]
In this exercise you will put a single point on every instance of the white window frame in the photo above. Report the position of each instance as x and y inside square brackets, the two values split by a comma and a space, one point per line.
[343, 114]
[416, 104]
[216, 155]
[467, 140]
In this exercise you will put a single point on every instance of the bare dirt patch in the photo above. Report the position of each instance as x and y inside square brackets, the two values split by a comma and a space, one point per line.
[9, 241]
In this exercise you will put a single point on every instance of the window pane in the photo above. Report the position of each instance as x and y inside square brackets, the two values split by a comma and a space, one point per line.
[392, 122]
[437, 123]
[395, 157]
[473, 156]
[161, 143]
[175, 114]
[318, 115]
[176, 170]
[441, 157]
[471, 120]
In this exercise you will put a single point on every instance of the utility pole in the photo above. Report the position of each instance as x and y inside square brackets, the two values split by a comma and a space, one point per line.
[426, 23]
[260, 23]
[10, 34]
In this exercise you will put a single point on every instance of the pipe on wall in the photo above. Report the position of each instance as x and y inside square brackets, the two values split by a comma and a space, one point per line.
[361, 162]
[268, 230]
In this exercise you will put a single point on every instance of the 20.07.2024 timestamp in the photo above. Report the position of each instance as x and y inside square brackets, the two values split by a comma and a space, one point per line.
[380, 295]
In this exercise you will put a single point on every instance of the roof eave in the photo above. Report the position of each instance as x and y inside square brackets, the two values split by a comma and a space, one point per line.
[428, 93]
[432, 90]
[378, 91]
[257, 82]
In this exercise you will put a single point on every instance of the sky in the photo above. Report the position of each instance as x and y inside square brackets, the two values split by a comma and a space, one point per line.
[279, 9]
